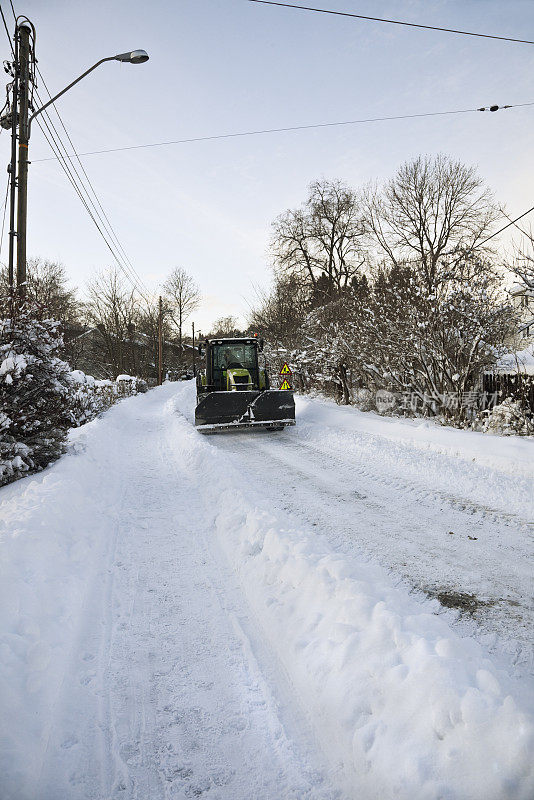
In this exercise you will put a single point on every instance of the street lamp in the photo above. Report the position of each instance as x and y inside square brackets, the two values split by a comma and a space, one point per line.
[132, 57]
[22, 73]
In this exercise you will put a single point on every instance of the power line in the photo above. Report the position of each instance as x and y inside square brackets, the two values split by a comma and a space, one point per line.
[107, 222]
[4, 215]
[54, 141]
[7, 30]
[391, 21]
[291, 128]
[513, 222]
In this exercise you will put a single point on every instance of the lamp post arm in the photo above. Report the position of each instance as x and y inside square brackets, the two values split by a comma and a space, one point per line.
[66, 89]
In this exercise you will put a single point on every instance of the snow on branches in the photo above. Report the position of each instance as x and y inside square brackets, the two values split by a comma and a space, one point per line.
[34, 410]
[40, 396]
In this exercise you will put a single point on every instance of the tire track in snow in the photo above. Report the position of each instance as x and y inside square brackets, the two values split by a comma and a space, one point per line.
[289, 724]
[191, 713]
[365, 513]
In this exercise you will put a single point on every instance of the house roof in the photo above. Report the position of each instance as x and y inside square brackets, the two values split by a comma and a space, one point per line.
[139, 338]
[519, 289]
[520, 362]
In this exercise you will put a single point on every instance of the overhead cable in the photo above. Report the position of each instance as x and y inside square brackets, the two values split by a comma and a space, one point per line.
[391, 21]
[292, 128]
[104, 219]
[54, 141]
[57, 146]
[513, 222]
[7, 30]
[4, 215]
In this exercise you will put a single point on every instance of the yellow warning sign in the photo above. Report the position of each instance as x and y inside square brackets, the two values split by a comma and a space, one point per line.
[285, 385]
[285, 369]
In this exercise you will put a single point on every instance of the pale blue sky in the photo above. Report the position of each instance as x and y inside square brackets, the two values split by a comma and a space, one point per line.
[221, 66]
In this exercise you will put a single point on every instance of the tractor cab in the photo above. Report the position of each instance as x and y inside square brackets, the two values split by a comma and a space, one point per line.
[235, 364]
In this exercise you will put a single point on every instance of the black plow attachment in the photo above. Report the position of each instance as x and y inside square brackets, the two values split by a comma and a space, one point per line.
[219, 411]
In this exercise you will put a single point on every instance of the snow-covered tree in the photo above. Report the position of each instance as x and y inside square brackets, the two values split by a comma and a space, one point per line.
[433, 344]
[34, 408]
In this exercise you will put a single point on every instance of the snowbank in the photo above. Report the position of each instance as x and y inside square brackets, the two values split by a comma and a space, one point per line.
[405, 705]
[494, 471]
[510, 455]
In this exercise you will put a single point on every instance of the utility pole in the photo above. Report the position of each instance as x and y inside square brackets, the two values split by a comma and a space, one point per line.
[23, 32]
[160, 343]
[13, 174]
[23, 75]
[194, 353]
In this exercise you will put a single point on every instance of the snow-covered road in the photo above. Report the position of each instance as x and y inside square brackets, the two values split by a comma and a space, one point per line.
[159, 694]
[450, 529]
[233, 617]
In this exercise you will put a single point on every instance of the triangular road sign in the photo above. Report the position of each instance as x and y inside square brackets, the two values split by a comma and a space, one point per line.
[285, 385]
[285, 369]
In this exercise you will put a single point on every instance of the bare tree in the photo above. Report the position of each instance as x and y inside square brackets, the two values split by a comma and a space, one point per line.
[430, 214]
[47, 286]
[522, 262]
[225, 326]
[113, 308]
[321, 242]
[279, 313]
[182, 298]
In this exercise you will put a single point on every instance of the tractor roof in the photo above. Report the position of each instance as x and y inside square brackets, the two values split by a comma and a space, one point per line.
[234, 340]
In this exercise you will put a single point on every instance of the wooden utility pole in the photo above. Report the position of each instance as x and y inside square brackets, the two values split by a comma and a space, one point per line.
[160, 343]
[13, 175]
[23, 32]
[194, 353]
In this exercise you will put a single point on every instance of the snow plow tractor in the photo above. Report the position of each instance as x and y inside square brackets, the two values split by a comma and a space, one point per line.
[233, 391]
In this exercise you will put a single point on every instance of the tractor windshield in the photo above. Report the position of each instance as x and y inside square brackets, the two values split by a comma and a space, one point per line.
[234, 356]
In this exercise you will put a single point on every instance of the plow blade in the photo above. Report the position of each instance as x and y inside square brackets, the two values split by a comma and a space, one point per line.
[218, 411]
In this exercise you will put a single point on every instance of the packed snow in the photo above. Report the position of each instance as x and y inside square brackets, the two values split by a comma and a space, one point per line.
[256, 615]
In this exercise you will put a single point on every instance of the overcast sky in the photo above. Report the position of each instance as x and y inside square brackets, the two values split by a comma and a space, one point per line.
[224, 66]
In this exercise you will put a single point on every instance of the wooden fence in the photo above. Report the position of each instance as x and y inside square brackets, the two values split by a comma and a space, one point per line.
[516, 386]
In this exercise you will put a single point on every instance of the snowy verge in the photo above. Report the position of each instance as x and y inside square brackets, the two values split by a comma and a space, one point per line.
[53, 546]
[410, 708]
[496, 472]
[508, 454]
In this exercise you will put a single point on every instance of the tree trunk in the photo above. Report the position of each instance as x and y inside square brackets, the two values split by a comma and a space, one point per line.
[344, 385]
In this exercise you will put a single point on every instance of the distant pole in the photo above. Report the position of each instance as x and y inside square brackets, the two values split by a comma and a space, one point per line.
[160, 343]
[22, 194]
[194, 353]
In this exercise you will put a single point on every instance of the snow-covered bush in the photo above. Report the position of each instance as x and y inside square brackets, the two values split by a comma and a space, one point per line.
[34, 388]
[40, 396]
[509, 418]
[89, 397]
[130, 384]
[85, 402]
[14, 454]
